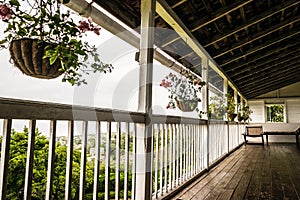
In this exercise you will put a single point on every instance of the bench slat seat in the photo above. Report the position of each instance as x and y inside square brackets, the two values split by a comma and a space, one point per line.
[254, 131]
[296, 133]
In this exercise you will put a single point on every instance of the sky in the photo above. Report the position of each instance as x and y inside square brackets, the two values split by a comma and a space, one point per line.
[117, 90]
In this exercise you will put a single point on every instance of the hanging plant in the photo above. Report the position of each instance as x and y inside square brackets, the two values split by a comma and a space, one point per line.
[231, 114]
[217, 106]
[46, 43]
[183, 92]
[244, 113]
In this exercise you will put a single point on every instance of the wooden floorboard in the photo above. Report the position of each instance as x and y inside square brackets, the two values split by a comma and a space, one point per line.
[251, 172]
[191, 191]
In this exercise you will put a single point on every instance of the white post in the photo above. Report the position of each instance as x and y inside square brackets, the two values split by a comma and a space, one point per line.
[236, 100]
[144, 131]
[205, 102]
[51, 157]
[5, 147]
[225, 91]
[241, 102]
[29, 161]
[205, 96]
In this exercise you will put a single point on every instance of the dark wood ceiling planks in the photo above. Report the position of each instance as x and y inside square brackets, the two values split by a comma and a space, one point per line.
[255, 42]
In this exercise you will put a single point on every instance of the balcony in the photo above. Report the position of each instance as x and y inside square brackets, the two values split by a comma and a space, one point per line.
[252, 172]
[113, 154]
[181, 149]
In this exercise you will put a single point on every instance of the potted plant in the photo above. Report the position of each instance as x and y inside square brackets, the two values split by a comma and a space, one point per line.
[45, 42]
[217, 107]
[183, 92]
[231, 115]
[244, 113]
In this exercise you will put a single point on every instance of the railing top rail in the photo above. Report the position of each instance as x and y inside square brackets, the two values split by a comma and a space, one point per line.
[215, 121]
[176, 120]
[28, 109]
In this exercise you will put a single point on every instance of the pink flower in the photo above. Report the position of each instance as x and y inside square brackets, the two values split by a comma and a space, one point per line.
[165, 83]
[96, 30]
[5, 11]
[88, 26]
[84, 26]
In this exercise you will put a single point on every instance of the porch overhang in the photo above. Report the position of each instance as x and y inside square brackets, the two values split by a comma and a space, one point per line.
[252, 44]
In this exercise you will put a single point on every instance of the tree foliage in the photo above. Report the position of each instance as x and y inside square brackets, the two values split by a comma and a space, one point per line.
[275, 113]
[17, 166]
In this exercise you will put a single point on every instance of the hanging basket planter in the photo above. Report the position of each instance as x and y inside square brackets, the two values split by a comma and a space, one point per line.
[187, 106]
[231, 117]
[27, 54]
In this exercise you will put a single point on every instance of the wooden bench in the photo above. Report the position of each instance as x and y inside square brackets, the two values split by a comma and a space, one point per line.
[254, 131]
[295, 132]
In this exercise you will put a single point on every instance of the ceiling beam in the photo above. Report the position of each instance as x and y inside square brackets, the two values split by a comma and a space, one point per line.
[242, 11]
[219, 14]
[261, 47]
[259, 73]
[213, 17]
[263, 66]
[169, 16]
[178, 3]
[276, 83]
[186, 55]
[170, 36]
[270, 87]
[207, 6]
[269, 83]
[270, 76]
[291, 47]
[255, 20]
[258, 36]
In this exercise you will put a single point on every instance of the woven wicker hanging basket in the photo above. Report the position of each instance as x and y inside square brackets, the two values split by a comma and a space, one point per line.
[27, 55]
[187, 106]
[231, 117]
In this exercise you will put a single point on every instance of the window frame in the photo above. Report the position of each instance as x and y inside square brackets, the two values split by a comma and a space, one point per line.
[269, 104]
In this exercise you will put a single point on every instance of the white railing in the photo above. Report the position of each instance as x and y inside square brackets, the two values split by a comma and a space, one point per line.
[233, 136]
[241, 130]
[179, 154]
[218, 140]
[182, 149]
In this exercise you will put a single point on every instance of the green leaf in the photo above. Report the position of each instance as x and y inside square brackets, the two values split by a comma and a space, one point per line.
[14, 3]
[3, 41]
[80, 52]
[49, 52]
[72, 81]
[43, 10]
[53, 59]
[22, 32]
[28, 17]
[56, 17]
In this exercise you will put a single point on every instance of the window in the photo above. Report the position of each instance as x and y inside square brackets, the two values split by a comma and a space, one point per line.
[275, 112]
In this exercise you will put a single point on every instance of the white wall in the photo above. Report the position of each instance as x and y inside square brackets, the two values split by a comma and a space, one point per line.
[293, 110]
[258, 115]
[292, 107]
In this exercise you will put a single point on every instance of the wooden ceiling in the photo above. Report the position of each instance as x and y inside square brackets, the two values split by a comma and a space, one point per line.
[255, 42]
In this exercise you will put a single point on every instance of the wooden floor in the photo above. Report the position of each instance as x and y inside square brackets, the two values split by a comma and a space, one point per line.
[251, 172]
